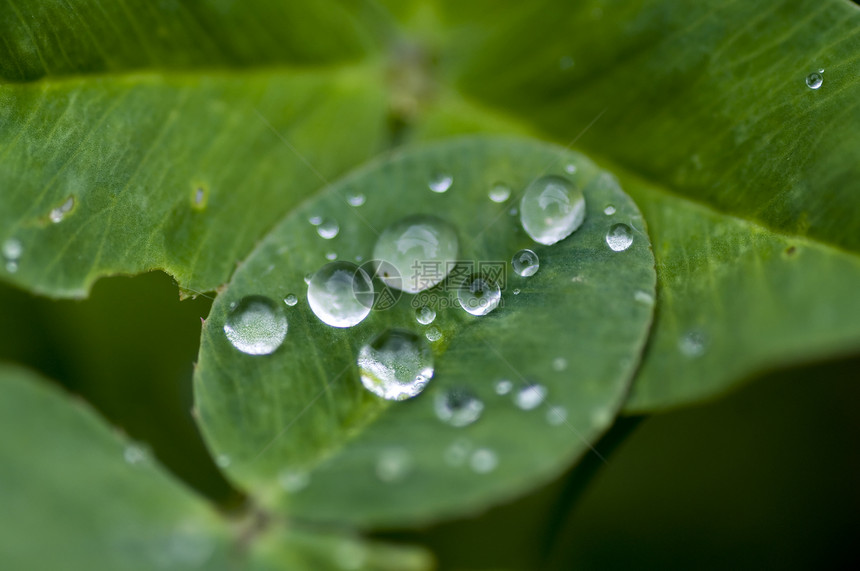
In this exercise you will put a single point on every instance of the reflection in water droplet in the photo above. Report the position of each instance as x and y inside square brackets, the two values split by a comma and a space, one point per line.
[478, 295]
[328, 228]
[57, 214]
[530, 396]
[433, 334]
[256, 326]
[525, 263]
[441, 182]
[421, 249]
[293, 481]
[393, 464]
[499, 192]
[340, 294]
[609, 210]
[559, 364]
[619, 237]
[692, 344]
[356, 199]
[483, 460]
[134, 454]
[458, 407]
[815, 79]
[551, 209]
[556, 415]
[396, 364]
[425, 315]
[457, 453]
[503, 387]
[291, 299]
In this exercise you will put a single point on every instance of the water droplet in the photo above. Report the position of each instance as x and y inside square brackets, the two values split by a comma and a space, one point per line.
[328, 228]
[256, 326]
[525, 263]
[478, 295]
[530, 396]
[12, 249]
[609, 210]
[421, 249]
[425, 315]
[815, 79]
[692, 344]
[433, 334]
[556, 415]
[396, 364]
[570, 168]
[134, 454]
[566, 62]
[619, 237]
[503, 387]
[393, 464]
[11, 267]
[483, 460]
[457, 453]
[57, 214]
[315, 219]
[551, 209]
[516, 291]
[499, 192]
[458, 407]
[441, 182]
[356, 199]
[308, 278]
[291, 299]
[340, 294]
[513, 211]
[559, 364]
[331, 256]
[293, 481]
[643, 297]
[222, 461]
[199, 197]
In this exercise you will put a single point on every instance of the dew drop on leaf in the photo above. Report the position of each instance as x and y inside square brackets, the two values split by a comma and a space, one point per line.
[256, 326]
[356, 199]
[499, 192]
[692, 344]
[393, 464]
[396, 364]
[559, 364]
[59, 213]
[619, 237]
[609, 210]
[340, 294]
[556, 415]
[458, 407]
[425, 315]
[134, 454]
[525, 263]
[441, 182]
[433, 334]
[530, 396]
[291, 299]
[503, 387]
[331, 256]
[478, 295]
[457, 452]
[293, 481]
[483, 460]
[815, 79]
[551, 209]
[328, 228]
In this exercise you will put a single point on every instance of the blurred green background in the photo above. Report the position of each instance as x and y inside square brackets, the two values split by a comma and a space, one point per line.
[764, 477]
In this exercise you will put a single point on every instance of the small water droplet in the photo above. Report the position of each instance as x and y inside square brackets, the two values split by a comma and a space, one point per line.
[609, 210]
[556, 415]
[331, 256]
[433, 334]
[483, 460]
[308, 278]
[551, 209]
[420, 249]
[565, 63]
[393, 464]
[134, 454]
[315, 219]
[457, 452]
[516, 291]
[530, 396]
[503, 387]
[425, 315]
[199, 196]
[256, 326]
[356, 199]
[396, 364]
[619, 237]
[478, 295]
[57, 214]
[499, 192]
[513, 211]
[328, 228]
[692, 344]
[643, 297]
[12, 249]
[559, 364]
[525, 263]
[293, 481]
[11, 267]
[291, 299]
[570, 168]
[222, 461]
[441, 182]
[458, 407]
[340, 294]
[815, 79]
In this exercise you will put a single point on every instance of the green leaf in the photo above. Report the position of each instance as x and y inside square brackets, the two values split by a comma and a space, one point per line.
[77, 495]
[301, 415]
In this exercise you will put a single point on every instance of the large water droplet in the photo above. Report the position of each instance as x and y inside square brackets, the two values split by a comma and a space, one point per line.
[499, 192]
[458, 407]
[425, 315]
[815, 79]
[525, 263]
[551, 209]
[57, 214]
[340, 294]
[328, 228]
[441, 182]
[395, 365]
[619, 237]
[483, 460]
[530, 396]
[433, 334]
[356, 199]
[393, 464]
[421, 249]
[256, 326]
[692, 344]
[479, 295]
[503, 386]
